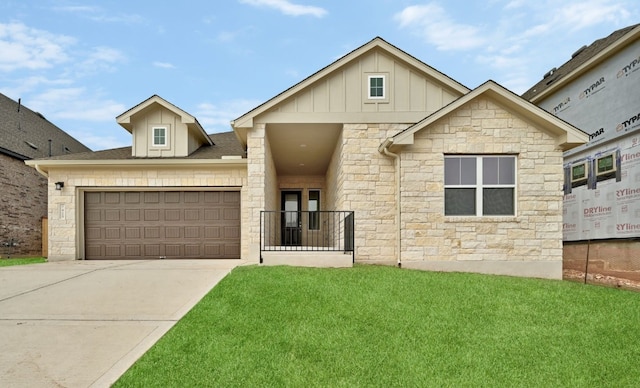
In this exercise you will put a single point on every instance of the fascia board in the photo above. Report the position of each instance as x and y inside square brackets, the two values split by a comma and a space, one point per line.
[46, 165]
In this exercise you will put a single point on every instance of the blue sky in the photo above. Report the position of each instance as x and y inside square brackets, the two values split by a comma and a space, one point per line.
[82, 63]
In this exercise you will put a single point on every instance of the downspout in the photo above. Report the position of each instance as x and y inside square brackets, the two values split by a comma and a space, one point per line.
[384, 149]
[38, 169]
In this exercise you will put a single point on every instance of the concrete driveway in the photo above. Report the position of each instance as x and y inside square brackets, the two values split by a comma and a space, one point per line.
[84, 323]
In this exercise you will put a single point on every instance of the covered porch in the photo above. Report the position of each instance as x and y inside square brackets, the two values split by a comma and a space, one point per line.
[303, 222]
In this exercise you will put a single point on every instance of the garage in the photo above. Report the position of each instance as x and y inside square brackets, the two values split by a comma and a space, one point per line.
[162, 224]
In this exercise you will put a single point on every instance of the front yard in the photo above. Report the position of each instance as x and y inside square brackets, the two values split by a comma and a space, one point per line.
[21, 261]
[381, 326]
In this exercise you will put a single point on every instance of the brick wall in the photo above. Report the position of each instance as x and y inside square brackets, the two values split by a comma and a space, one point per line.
[23, 203]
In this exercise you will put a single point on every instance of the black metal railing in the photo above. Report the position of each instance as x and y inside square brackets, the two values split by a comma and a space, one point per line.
[329, 231]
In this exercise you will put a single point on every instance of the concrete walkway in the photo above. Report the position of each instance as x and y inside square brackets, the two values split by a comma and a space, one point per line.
[84, 323]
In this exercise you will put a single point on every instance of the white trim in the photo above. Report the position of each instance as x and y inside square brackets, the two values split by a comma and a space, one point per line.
[166, 129]
[319, 226]
[479, 186]
[43, 166]
[384, 86]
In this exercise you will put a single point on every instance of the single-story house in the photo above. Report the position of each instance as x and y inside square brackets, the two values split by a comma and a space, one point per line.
[376, 158]
[25, 135]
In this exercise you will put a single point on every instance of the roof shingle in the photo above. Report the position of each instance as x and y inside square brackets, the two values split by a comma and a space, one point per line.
[580, 57]
[224, 144]
[25, 134]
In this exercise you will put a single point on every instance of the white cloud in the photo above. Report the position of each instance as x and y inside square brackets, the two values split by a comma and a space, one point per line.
[226, 36]
[22, 47]
[101, 141]
[28, 84]
[217, 117]
[164, 65]
[547, 17]
[292, 73]
[587, 13]
[288, 8]
[515, 4]
[98, 14]
[510, 46]
[99, 60]
[434, 25]
[76, 104]
[547, 20]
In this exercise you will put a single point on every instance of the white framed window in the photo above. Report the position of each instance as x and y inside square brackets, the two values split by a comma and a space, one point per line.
[376, 86]
[480, 185]
[159, 136]
[314, 209]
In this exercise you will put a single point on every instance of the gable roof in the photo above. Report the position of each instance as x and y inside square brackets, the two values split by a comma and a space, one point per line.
[568, 135]
[582, 60]
[25, 134]
[192, 123]
[246, 120]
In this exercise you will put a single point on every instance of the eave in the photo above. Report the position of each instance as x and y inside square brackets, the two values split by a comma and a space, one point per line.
[46, 165]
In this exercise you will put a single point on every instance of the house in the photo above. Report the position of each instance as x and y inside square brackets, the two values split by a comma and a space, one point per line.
[25, 135]
[376, 158]
[598, 90]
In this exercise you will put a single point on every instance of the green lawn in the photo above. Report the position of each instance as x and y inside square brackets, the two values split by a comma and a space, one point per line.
[21, 261]
[382, 326]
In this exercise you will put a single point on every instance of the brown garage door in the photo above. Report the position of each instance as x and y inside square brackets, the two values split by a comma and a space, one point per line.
[162, 224]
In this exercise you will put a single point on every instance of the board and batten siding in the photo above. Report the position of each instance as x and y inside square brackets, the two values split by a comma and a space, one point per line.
[180, 143]
[344, 91]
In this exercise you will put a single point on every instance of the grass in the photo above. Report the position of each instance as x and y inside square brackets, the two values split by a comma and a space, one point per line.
[21, 261]
[385, 327]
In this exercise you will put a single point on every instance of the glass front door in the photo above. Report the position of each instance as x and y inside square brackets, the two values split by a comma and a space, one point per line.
[291, 218]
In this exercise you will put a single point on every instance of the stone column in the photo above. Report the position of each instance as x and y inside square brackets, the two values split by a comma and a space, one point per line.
[256, 185]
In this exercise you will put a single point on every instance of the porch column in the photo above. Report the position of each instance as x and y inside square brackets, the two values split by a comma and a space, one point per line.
[256, 186]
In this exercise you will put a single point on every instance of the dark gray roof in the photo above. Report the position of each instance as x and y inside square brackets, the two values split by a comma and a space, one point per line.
[25, 134]
[579, 57]
[224, 144]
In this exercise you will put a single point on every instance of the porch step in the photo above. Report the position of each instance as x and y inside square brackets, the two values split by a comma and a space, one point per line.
[308, 259]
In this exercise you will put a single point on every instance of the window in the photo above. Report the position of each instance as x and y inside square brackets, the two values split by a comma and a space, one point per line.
[605, 165]
[479, 185]
[159, 136]
[314, 209]
[579, 172]
[376, 86]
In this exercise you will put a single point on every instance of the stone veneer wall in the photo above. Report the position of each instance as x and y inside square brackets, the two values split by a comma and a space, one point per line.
[272, 195]
[368, 188]
[335, 178]
[65, 205]
[23, 204]
[530, 243]
[261, 186]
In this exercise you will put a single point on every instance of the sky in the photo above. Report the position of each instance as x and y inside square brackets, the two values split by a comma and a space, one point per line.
[83, 63]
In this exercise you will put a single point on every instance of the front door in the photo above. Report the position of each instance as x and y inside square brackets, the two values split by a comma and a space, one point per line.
[291, 218]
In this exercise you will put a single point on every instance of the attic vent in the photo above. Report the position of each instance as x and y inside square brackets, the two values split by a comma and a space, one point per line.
[30, 144]
[549, 73]
[578, 51]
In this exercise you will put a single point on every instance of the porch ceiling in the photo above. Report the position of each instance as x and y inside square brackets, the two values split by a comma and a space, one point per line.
[302, 149]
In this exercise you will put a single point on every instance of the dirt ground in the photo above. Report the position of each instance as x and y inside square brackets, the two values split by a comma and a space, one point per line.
[599, 279]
